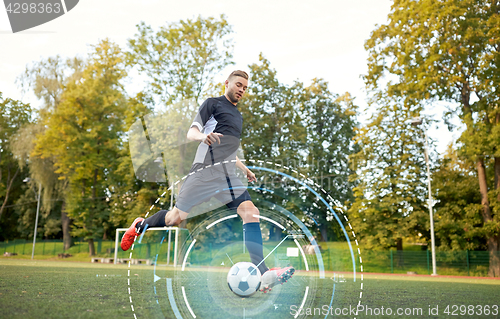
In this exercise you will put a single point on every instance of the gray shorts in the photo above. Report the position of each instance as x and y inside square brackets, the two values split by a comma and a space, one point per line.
[219, 182]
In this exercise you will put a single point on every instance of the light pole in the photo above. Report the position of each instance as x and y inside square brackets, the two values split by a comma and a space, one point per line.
[416, 122]
[26, 180]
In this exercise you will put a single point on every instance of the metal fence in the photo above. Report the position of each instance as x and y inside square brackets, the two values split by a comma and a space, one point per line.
[463, 263]
[49, 247]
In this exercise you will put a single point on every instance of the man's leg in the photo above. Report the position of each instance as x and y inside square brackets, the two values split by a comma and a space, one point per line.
[161, 219]
[252, 234]
[253, 242]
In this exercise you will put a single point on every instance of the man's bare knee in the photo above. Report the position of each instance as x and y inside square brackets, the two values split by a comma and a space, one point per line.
[248, 212]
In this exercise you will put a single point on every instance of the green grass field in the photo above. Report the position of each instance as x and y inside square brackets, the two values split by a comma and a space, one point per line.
[336, 256]
[51, 289]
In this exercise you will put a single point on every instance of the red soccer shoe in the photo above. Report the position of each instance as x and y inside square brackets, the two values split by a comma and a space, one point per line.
[130, 235]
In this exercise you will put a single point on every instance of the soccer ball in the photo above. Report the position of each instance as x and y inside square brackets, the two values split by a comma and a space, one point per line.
[244, 279]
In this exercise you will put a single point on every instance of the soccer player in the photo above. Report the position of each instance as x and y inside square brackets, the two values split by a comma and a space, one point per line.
[217, 127]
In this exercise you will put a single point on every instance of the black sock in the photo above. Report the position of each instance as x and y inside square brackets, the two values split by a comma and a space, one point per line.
[157, 220]
[253, 241]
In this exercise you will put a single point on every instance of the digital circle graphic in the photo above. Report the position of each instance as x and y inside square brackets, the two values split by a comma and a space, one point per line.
[197, 287]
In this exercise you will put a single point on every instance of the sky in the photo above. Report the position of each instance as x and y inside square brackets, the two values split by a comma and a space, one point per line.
[302, 40]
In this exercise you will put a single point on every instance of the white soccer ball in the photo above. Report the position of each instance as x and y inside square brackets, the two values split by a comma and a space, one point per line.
[244, 279]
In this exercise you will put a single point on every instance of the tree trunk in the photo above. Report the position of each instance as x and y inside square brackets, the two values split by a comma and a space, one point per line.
[65, 224]
[494, 243]
[497, 177]
[324, 233]
[497, 165]
[483, 188]
[8, 191]
[399, 252]
[399, 243]
[494, 269]
[90, 221]
[91, 247]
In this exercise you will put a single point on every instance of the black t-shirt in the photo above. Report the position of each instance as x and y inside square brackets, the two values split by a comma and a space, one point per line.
[228, 119]
[220, 116]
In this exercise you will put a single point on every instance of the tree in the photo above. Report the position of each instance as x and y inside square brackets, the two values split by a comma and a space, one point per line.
[300, 127]
[448, 50]
[84, 135]
[180, 61]
[130, 195]
[48, 80]
[13, 115]
[458, 209]
[41, 172]
[390, 171]
[330, 121]
[272, 125]
[182, 58]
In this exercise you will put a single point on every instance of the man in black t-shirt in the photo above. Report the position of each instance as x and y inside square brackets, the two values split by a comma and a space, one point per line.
[218, 127]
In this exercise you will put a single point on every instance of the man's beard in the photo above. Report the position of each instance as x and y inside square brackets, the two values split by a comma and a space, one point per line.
[232, 97]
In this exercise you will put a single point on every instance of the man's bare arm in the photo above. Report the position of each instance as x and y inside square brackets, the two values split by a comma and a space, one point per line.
[194, 134]
[250, 175]
[240, 165]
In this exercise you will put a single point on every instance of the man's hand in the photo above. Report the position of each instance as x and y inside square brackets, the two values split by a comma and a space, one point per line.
[194, 134]
[212, 138]
[251, 176]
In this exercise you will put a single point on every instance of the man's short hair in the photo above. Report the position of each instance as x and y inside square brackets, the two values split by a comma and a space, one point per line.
[243, 74]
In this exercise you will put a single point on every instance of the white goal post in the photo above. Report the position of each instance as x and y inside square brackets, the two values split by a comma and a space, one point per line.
[170, 229]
